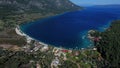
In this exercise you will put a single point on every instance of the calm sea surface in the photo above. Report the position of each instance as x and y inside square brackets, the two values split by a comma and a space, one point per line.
[69, 30]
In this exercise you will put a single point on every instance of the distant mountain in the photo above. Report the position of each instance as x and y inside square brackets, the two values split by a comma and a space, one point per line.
[43, 6]
[108, 6]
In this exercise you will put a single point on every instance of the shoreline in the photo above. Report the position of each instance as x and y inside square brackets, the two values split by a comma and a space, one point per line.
[75, 48]
[28, 38]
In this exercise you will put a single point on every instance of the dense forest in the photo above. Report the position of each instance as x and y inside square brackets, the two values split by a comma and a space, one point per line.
[109, 46]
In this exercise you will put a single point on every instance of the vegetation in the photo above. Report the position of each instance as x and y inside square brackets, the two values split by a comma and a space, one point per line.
[85, 59]
[20, 59]
[9, 7]
[16, 12]
[68, 64]
[109, 46]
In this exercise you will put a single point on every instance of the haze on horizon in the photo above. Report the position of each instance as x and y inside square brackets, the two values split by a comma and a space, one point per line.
[95, 2]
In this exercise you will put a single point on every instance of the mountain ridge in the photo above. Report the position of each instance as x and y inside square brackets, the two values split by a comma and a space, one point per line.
[43, 6]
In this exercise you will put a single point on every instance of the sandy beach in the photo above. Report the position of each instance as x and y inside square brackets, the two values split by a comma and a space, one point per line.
[28, 38]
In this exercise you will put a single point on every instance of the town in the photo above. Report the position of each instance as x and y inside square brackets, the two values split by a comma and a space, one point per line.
[84, 56]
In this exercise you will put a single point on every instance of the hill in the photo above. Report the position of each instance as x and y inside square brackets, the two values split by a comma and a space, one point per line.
[15, 12]
[41, 6]
[109, 46]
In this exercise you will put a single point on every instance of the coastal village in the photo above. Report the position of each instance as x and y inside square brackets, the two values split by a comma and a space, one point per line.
[19, 50]
[81, 58]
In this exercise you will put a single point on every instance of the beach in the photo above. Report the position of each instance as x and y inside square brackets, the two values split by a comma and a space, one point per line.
[28, 38]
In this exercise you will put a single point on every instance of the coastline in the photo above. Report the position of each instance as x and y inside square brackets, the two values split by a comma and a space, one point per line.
[20, 32]
[28, 38]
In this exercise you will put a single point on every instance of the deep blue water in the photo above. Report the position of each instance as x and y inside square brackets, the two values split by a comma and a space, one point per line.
[68, 30]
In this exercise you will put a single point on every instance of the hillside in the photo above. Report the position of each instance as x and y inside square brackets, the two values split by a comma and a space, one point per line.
[15, 12]
[109, 46]
[41, 6]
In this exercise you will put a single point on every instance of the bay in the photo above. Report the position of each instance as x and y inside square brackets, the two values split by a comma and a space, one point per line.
[69, 30]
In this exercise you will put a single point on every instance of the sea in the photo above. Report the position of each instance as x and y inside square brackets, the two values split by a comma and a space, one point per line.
[69, 30]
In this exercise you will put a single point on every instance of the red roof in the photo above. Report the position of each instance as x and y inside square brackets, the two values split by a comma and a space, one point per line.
[64, 50]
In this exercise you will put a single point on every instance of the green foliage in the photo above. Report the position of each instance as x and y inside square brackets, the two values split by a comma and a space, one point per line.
[12, 59]
[85, 65]
[68, 64]
[109, 46]
[15, 12]
[19, 42]
[33, 6]
[1, 25]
